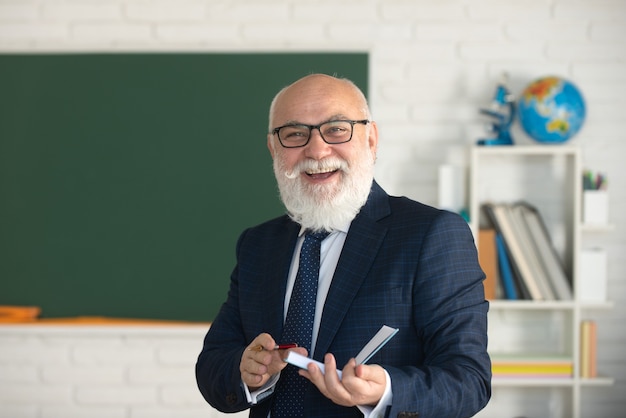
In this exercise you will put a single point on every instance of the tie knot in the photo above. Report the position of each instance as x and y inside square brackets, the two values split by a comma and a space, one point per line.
[319, 235]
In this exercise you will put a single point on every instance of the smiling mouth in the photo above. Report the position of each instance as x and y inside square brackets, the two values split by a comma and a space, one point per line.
[321, 173]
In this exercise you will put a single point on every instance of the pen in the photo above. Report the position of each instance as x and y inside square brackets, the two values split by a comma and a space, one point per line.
[277, 347]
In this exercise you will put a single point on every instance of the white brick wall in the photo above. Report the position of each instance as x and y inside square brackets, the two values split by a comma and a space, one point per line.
[433, 64]
[57, 371]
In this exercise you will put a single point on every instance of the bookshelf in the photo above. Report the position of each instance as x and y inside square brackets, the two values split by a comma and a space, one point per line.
[549, 178]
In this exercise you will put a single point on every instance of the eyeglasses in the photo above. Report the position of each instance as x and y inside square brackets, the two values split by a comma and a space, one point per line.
[332, 132]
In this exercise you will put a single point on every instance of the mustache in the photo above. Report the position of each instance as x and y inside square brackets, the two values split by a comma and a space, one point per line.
[318, 166]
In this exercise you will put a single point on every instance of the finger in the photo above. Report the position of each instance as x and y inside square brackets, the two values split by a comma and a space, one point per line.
[372, 373]
[334, 386]
[263, 342]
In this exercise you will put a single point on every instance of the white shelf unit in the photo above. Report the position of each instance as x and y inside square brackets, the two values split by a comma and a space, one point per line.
[549, 178]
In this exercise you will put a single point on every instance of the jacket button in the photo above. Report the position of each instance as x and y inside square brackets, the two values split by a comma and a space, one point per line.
[231, 398]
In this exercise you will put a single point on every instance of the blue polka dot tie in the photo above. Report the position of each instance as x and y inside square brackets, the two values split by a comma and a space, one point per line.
[298, 328]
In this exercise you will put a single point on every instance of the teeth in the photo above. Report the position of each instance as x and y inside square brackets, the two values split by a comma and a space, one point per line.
[321, 171]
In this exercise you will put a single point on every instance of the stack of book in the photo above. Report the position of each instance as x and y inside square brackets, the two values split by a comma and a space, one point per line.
[532, 366]
[528, 266]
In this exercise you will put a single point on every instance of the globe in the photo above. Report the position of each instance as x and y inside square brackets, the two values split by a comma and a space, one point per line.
[551, 110]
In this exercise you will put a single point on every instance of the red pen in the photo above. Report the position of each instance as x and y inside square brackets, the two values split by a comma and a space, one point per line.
[277, 347]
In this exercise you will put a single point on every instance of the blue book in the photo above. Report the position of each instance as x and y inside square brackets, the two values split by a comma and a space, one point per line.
[506, 274]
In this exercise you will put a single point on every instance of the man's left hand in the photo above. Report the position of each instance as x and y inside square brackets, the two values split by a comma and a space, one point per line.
[359, 385]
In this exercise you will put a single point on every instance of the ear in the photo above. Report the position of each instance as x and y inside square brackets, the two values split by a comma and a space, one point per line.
[271, 145]
[372, 139]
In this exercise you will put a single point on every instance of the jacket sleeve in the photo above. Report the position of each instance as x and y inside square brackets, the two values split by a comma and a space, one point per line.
[217, 368]
[450, 316]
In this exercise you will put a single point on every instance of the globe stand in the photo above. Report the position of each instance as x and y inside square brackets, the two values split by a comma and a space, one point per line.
[502, 110]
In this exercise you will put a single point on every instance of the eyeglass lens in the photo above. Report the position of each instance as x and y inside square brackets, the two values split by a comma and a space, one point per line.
[333, 132]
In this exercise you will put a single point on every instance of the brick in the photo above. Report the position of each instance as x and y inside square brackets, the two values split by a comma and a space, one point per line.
[181, 395]
[368, 32]
[290, 33]
[183, 356]
[112, 32]
[420, 52]
[460, 112]
[72, 411]
[198, 33]
[166, 11]
[19, 373]
[18, 11]
[479, 51]
[113, 356]
[116, 395]
[422, 10]
[546, 31]
[249, 12]
[610, 10]
[204, 411]
[33, 31]
[391, 113]
[80, 10]
[32, 353]
[534, 10]
[19, 411]
[576, 51]
[83, 375]
[605, 72]
[159, 375]
[28, 394]
[609, 32]
[470, 31]
[333, 11]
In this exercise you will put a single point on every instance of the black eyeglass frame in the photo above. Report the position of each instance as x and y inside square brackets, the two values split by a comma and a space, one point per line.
[311, 127]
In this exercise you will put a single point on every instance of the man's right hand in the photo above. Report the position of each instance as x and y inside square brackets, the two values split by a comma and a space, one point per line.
[260, 361]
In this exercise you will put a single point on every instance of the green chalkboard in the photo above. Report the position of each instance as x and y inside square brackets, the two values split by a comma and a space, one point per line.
[125, 179]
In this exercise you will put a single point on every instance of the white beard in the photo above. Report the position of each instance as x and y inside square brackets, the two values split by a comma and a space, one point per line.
[326, 207]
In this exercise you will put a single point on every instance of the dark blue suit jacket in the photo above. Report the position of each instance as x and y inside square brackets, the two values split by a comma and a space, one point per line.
[404, 264]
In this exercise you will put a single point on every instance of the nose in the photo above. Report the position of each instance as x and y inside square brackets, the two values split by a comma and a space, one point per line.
[317, 148]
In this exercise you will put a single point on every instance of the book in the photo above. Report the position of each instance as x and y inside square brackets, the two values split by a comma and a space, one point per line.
[512, 238]
[501, 223]
[530, 365]
[381, 338]
[537, 269]
[530, 251]
[588, 358]
[506, 274]
[488, 260]
[549, 258]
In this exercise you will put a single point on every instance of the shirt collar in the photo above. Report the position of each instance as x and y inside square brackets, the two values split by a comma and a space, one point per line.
[343, 228]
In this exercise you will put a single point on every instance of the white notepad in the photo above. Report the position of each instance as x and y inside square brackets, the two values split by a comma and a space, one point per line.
[376, 343]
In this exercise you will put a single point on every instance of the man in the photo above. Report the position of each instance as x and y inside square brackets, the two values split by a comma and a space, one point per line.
[388, 261]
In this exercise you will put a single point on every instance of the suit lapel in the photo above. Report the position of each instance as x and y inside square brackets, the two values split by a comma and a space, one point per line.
[274, 295]
[362, 244]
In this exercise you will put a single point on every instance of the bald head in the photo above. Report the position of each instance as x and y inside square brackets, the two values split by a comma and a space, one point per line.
[312, 94]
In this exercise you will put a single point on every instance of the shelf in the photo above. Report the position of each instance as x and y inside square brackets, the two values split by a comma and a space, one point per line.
[550, 382]
[549, 178]
[532, 304]
[597, 227]
[535, 305]
[596, 381]
[596, 305]
[533, 381]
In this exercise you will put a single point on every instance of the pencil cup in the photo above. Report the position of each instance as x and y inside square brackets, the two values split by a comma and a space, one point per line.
[595, 207]
[592, 286]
